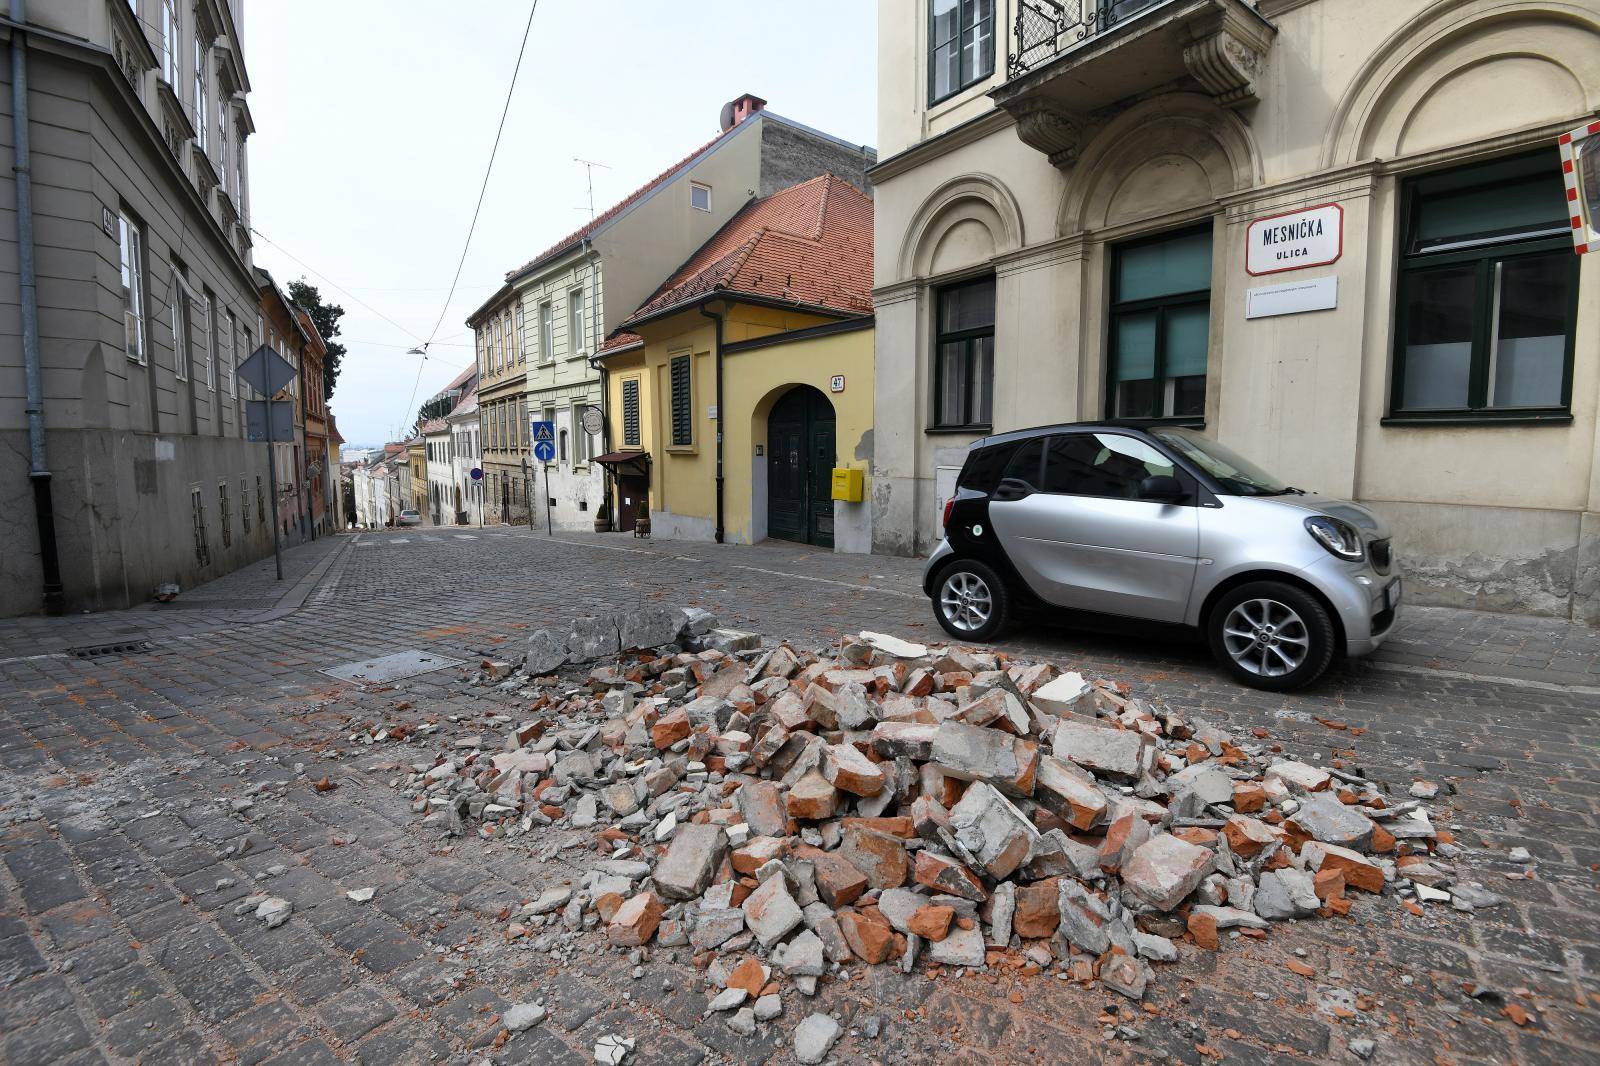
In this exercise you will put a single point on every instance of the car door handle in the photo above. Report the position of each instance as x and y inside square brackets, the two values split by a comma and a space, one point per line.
[1012, 489]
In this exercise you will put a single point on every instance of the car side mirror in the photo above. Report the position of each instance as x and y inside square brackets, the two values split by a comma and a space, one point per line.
[1012, 488]
[1162, 488]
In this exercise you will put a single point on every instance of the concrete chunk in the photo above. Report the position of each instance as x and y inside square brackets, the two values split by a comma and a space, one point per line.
[691, 861]
[1117, 753]
[992, 830]
[1165, 869]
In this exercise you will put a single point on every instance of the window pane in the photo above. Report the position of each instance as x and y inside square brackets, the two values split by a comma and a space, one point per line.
[1163, 268]
[1508, 198]
[1186, 397]
[1438, 324]
[1024, 465]
[982, 380]
[952, 384]
[946, 72]
[1133, 363]
[967, 307]
[943, 14]
[1187, 337]
[1530, 343]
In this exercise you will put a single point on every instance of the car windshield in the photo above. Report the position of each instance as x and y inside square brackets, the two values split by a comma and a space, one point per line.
[1237, 475]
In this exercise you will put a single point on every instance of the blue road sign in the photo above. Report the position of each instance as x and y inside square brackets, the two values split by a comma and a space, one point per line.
[543, 435]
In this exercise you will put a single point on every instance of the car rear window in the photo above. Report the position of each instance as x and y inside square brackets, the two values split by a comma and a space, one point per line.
[985, 466]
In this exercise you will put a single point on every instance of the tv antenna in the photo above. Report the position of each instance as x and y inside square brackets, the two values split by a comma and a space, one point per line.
[588, 165]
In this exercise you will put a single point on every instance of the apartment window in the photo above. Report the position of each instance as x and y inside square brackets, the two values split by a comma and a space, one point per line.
[522, 354]
[133, 332]
[226, 513]
[197, 508]
[961, 46]
[964, 356]
[244, 504]
[206, 322]
[223, 169]
[170, 30]
[575, 331]
[630, 413]
[682, 402]
[547, 332]
[202, 99]
[1488, 299]
[180, 340]
[1160, 327]
[562, 446]
[699, 196]
[511, 341]
[229, 329]
[521, 437]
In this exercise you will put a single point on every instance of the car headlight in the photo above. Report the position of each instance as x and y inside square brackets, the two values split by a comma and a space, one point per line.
[1340, 538]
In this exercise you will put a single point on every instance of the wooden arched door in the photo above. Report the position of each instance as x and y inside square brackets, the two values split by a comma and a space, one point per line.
[800, 461]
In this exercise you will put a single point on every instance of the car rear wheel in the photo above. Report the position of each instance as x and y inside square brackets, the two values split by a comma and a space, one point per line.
[1272, 636]
[971, 601]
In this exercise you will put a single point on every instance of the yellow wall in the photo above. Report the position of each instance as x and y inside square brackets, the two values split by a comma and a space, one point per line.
[683, 490]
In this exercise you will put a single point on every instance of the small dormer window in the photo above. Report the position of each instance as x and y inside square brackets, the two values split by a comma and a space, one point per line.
[699, 196]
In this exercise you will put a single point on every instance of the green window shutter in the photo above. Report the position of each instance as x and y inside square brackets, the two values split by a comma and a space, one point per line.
[630, 413]
[682, 412]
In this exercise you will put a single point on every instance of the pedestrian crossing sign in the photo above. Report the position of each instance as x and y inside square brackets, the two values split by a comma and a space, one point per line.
[544, 439]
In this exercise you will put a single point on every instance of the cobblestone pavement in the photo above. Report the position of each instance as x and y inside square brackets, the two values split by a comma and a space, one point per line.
[133, 815]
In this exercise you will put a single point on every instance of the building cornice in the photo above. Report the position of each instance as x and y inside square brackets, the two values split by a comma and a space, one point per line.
[941, 144]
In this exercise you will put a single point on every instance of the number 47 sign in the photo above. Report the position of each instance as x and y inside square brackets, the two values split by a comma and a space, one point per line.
[543, 435]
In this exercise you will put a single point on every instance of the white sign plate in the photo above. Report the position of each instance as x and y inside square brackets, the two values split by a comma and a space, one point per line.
[1293, 298]
[836, 383]
[1313, 237]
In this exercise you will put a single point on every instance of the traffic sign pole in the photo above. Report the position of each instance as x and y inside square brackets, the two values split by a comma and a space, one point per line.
[543, 435]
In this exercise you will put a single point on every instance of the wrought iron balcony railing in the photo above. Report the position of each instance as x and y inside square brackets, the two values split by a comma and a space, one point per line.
[1046, 28]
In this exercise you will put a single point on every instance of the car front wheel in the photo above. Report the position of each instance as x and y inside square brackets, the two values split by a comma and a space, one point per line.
[1272, 636]
[971, 601]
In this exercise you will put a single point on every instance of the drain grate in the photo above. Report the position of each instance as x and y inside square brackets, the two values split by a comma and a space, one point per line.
[106, 651]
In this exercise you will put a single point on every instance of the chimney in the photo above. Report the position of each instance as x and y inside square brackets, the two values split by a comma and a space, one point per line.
[736, 111]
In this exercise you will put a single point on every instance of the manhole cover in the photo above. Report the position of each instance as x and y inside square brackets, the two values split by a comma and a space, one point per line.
[401, 664]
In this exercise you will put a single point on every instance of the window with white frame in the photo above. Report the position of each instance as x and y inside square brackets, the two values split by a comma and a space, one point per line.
[180, 335]
[547, 332]
[699, 196]
[224, 171]
[202, 99]
[200, 335]
[132, 246]
[576, 335]
[228, 327]
[522, 355]
[495, 342]
[170, 29]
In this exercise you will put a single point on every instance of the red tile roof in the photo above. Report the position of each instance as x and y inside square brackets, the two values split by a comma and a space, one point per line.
[605, 217]
[620, 340]
[808, 244]
[433, 425]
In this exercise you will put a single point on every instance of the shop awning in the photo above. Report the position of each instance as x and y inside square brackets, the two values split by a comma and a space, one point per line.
[626, 464]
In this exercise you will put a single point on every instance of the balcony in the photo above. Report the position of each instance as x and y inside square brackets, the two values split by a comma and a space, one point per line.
[1073, 58]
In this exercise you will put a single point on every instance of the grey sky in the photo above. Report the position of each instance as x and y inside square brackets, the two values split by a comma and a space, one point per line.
[374, 121]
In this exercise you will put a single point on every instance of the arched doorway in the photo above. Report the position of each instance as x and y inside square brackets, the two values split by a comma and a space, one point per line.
[800, 460]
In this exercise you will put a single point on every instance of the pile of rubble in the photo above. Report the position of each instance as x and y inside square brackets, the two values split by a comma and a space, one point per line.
[782, 814]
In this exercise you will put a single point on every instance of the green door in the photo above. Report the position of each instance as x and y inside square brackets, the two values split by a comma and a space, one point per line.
[800, 461]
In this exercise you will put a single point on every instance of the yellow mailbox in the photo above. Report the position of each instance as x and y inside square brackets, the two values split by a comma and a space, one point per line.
[847, 484]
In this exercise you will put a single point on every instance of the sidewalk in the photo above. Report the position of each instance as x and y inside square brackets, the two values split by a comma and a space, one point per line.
[250, 594]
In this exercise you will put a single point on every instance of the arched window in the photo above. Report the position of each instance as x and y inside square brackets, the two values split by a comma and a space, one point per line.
[563, 446]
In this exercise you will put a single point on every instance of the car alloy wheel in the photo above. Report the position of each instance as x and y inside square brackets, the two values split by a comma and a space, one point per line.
[966, 601]
[1266, 638]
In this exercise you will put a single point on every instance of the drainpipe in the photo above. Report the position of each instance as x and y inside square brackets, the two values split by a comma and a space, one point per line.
[38, 472]
[716, 316]
[594, 361]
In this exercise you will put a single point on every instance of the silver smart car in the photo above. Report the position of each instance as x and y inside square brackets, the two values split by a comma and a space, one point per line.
[1109, 521]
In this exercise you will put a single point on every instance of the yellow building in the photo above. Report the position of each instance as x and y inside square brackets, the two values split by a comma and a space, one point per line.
[735, 393]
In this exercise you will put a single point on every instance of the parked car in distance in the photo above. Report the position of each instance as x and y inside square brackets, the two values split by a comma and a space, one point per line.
[1128, 521]
[409, 517]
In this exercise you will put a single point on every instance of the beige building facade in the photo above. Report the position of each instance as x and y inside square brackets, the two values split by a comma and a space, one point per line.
[1331, 233]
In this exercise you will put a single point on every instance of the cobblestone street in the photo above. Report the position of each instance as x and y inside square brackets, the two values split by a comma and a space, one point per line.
[150, 787]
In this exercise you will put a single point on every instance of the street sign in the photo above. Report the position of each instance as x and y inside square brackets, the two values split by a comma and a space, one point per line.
[593, 421]
[543, 435]
[1293, 241]
[1580, 162]
[282, 424]
[477, 474]
[266, 371]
